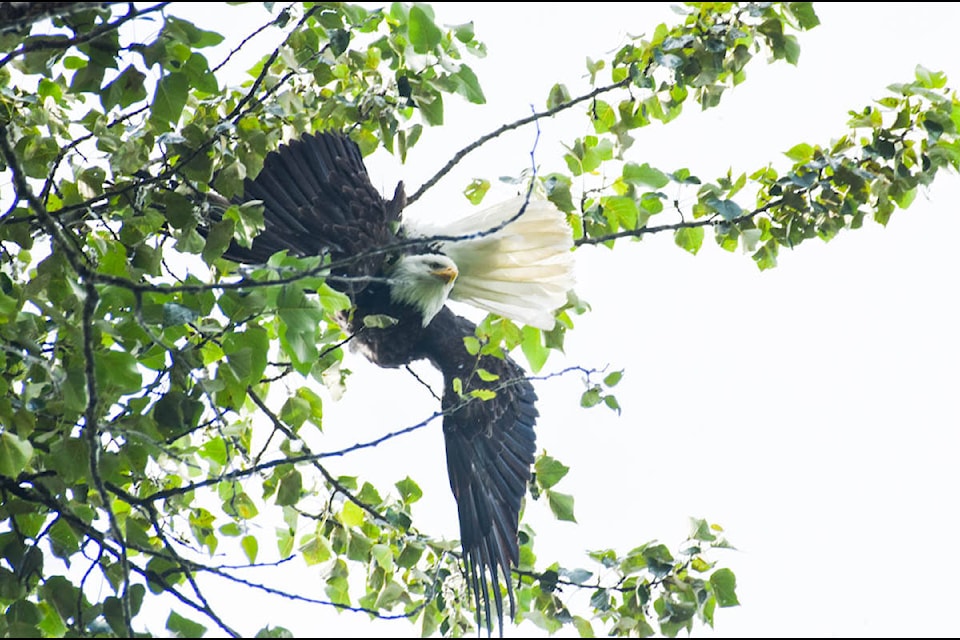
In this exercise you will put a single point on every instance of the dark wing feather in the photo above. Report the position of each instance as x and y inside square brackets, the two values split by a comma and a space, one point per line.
[490, 447]
[318, 200]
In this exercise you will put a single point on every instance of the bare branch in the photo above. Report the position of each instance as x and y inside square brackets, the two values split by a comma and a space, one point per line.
[473, 146]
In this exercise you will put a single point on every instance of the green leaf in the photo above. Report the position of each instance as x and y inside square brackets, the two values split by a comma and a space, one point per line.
[383, 556]
[290, 489]
[583, 627]
[214, 450]
[469, 86]
[548, 623]
[724, 587]
[87, 79]
[621, 211]
[699, 564]
[930, 79]
[800, 153]
[472, 345]
[358, 547]
[219, 236]
[240, 505]
[644, 175]
[15, 454]
[198, 73]
[728, 209]
[611, 402]
[766, 255]
[64, 541]
[170, 98]
[561, 504]
[299, 331]
[533, 348]
[486, 376]
[409, 490]
[410, 554]
[188, 33]
[600, 600]
[304, 405]
[332, 300]
[559, 94]
[250, 548]
[749, 239]
[351, 515]
[701, 530]
[51, 626]
[246, 353]
[549, 471]
[178, 210]
[591, 398]
[8, 306]
[379, 321]
[176, 413]
[338, 590]
[612, 379]
[476, 190]
[247, 217]
[689, 238]
[465, 32]
[285, 542]
[425, 36]
[603, 116]
[577, 576]
[389, 595]
[173, 314]
[184, 627]
[125, 90]
[791, 49]
[316, 549]
[117, 371]
[340, 40]
[804, 13]
[229, 183]
[906, 198]
[483, 394]
[432, 108]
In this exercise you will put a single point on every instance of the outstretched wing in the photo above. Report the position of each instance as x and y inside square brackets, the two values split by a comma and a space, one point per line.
[318, 200]
[490, 447]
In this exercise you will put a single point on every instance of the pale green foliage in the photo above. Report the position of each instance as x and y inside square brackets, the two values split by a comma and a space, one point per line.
[135, 440]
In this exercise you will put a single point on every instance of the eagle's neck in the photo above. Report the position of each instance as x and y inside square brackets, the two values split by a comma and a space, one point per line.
[423, 282]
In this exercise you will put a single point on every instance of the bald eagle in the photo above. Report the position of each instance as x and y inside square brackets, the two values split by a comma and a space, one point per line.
[318, 200]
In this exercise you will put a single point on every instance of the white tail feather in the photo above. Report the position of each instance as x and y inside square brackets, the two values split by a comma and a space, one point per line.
[523, 271]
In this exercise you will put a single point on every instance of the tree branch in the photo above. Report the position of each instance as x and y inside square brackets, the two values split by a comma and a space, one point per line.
[473, 146]
[705, 222]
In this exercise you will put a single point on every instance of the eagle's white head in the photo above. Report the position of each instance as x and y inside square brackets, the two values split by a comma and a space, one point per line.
[522, 271]
[423, 281]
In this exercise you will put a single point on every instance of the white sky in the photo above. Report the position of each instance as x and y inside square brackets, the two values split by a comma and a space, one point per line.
[809, 410]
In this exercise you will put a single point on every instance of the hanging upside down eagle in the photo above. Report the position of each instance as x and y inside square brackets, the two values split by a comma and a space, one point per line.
[318, 200]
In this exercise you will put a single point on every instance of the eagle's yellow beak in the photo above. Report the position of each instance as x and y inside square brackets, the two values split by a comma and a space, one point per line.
[447, 274]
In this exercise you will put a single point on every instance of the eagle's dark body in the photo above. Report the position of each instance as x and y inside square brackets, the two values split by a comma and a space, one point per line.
[318, 200]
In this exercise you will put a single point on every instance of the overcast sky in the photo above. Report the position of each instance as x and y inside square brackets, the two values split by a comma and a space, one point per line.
[809, 410]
